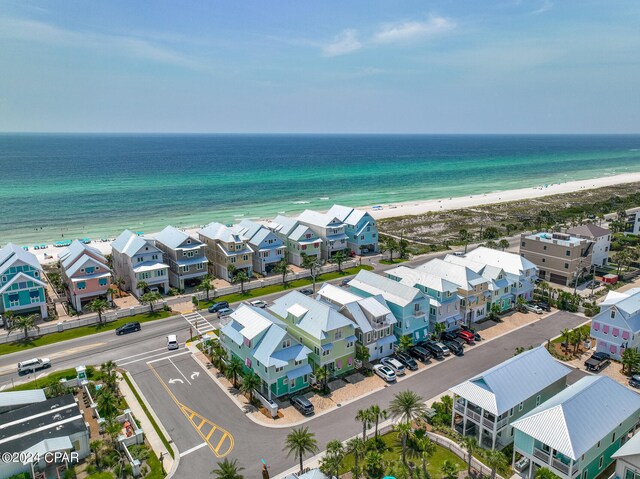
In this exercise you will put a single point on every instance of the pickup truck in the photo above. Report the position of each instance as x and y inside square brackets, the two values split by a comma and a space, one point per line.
[597, 361]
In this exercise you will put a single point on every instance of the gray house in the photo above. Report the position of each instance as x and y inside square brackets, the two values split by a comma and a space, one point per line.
[267, 246]
[184, 255]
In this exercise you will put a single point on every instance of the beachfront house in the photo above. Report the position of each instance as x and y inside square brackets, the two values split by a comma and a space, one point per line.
[85, 273]
[560, 258]
[184, 255]
[601, 238]
[22, 289]
[372, 317]
[407, 303]
[329, 228]
[486, 405]
[519, 271]
[444, 302]
[628, 458]
[632, 221]
[268, 248]
[298, 238]
[262, 343]
[328, 334]
[359, 226]
[617, 326]
[137, 259]
[473, 289]
[575, 433]
[227, 249]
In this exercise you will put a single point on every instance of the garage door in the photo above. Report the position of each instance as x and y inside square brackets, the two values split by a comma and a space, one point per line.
[558, 278]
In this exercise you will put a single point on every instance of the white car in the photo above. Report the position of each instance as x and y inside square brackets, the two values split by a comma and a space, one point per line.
[385, 372]
[394, 364]
[533, 308]
[33, 365]
[258, 303]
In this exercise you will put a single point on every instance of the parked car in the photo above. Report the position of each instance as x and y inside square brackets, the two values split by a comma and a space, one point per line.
[407, 361]
[420, 353]
[345, 282]
[128, 328]
[172, 342]
[476, 335]
[533, 308]
[436, 348]
[32, 365]
[395, 365]
[522, 464]
[224, 312]
[455, 347]
[597, 361]
[384, 372]
[303, 405]
[306, 291]
[258, 303]
[449, 336]
[215, 307]
[544, 306]
[635, 381]
[467, 336]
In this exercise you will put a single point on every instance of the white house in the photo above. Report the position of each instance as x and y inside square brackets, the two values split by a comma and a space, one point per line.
[601, 238]
[329, 228]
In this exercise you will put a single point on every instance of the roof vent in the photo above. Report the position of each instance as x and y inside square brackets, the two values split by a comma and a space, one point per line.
[55, 406]
[57, 417]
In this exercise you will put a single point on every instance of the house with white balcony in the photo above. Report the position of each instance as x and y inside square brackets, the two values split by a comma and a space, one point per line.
[329, 228]
[268, 248]
[137, 259]
[299, 239]
[360, 227]
[372, 317]
[487, 405]
[628, 458]
[185, 256]
[22, 289]
[575, 433]
[617, 326]
[601, 238]
[227, 249]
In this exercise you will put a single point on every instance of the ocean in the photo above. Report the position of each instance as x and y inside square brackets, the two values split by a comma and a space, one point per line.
[65, 186]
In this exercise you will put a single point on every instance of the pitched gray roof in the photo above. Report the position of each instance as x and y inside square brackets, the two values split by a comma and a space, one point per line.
[287, 225]
[627, 303]
[218, 231]
[172, 237]
[589, 230]
[457, 274]
[130, 244]
[346, 214]
[72, 252]
[392, 291]
[11, 252]
[411, 277]
[511, 263]
[630, 448]
[316, 218]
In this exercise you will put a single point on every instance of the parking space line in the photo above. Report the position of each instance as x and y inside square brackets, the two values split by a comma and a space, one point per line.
[193, 449]
[142, 359]
[139, 354]
[168, 357]
[185, 377]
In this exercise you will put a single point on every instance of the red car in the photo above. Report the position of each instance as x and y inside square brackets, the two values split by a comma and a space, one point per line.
[466, 336]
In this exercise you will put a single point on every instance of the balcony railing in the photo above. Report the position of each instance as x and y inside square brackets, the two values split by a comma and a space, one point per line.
[459, 407]
[502, 423]
[488, 422]
[473, 416]
[561, 466]
[540, 454]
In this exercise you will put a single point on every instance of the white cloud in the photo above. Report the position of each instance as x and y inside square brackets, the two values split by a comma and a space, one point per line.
[406, 31]
[545, 7]
[345, 42]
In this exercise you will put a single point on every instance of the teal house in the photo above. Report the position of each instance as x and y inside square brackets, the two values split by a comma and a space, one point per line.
[575, 433]
[263, 345]
[22, 289]
[360, 227]
[328, 334]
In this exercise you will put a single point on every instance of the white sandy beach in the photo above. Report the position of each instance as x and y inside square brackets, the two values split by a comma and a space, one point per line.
[421, 207]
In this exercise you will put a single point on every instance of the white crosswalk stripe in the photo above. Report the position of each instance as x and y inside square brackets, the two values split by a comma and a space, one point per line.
[198, 322]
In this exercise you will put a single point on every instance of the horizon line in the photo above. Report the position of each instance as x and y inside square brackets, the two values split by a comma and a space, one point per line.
[314, 133]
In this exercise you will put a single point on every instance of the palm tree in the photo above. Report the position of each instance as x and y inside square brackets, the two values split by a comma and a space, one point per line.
[630, 361]
[96, 447]
[322, 375]
[228, 469]
[142, 286]
[113, 429]
[544, 473]
[205, 284]
[7, 317]
[313, 264]
[300, 442]
[495, 460]
[332, 461]
[387, 243]
[407, 406]
[422, 448]
[503, 244]
[494, 311]
[438, 329]
[377, 414]
[219, 355]
[362, 353]
[119, 282]
[566, 334]
[374, 465]
[25, 323]
[465, 237]
[282, 267]
[470, 443]
[576, 339]
[405, 343]
[404, 430]
[98, 306]
[338, 258]
[107, 403]
[150, 298]
[55, 389]
[241, 277]
[234, 368]
[520, 302]
[108, 371]
[365, 417]
[250, 382]
[357, 447]
[449, 469]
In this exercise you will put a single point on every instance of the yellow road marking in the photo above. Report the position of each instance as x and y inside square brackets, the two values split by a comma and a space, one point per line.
[191, 415]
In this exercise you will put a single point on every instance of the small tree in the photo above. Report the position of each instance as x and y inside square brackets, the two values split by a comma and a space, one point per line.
[404, 430]
[387, 243]
[205, 285]
[282, 267]
[313, 264]
[503, 244]
[24, 323]
[338, 258]
[98, 306]
[494, 311]
[374, 465]
[495, 460]
[544, 473]
[362, 353]
[407, 406]
[322, 375]
[228, 469]
[300, 442]
[241, 277]
[142, 286]
[470, 443]
[449, 469]
[357, 447]
[377, 414]
[331, 462]
[403, 248]
[405, 343]
[234, 368]
[464, 236]
[150, 298]
[250, 382]
[630, 361]
[365, 417]
[438, 329]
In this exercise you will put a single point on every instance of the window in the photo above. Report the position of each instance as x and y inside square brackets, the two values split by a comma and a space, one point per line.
[566, 266]
[544, 260]
[102, 281]
[305, 378]
[598, 444]
[199, 266]
[613, 314]
[82, 285]
[285, 381]
[337, 335]
[297, 363]
[185, 269]
[154, 256]
[600, 462]
[325, 352]
[316, 350]
[584, 474]
[349, 344]
[278, 369]
[140, 259]
[286, 343]
[432, 310]
[544, 247]
[538, 400]
[520, 406]
[245, 257]
[511, 412]
[613, 438]
[522, 244]
[416, 307]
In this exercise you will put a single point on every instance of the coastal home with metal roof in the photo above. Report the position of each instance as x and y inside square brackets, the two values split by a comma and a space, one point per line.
[628, 458]
[487, 405]
[473, 289]
[360, 227]
[444, 302]
[137, 259]
[372, 317]
[601, 238]
[22, 289]
[575, 433]
[228, 250]
[407, 303]
[328, 334]
[520, 272]
[299, 239]
[262, 343]
[268, 248]
[85, 273]
[185, 256]
[329, 228]
[617, 326]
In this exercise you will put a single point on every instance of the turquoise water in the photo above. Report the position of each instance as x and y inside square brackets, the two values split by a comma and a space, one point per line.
[66, 186]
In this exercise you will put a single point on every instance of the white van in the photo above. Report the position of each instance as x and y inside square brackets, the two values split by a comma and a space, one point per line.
[32, 365]
[172, 342]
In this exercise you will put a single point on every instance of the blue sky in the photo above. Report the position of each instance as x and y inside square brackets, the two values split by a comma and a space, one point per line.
[434, 66]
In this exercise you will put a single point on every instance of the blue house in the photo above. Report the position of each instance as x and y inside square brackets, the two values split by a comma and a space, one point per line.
[360, 227]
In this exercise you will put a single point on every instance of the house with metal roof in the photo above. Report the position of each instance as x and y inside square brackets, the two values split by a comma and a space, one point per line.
[601, 238]
[617, 326]
[372, 317]
[473, 289]
[327, 333]
[85, 272]
[576, 432]
[299, 239]
[407, 303]
[262, 343]
[329, 228]
[360, 227]
[185, 256]
[628, 458]
[487, 405]
[14, 399]
[268, 248]
[22, 289]
[310, 474]
[444, 302]
[136, 259]
[227, 249]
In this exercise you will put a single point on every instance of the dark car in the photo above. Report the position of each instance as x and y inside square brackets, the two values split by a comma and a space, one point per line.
[476, 335]
[597, 361]
[544, 306]
[635, 381]
[303, 405]
[306, 291]
[420, 353]
[215, 307]
[128, 328]
[449, 336]
[407, 361]
[455, 347]
[437, 349]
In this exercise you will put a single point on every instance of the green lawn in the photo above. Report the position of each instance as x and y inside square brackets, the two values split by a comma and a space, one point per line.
[93, 374]
[276, 288]
[586, 329]
[101, 475]
[394, 261]
[23, 345]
